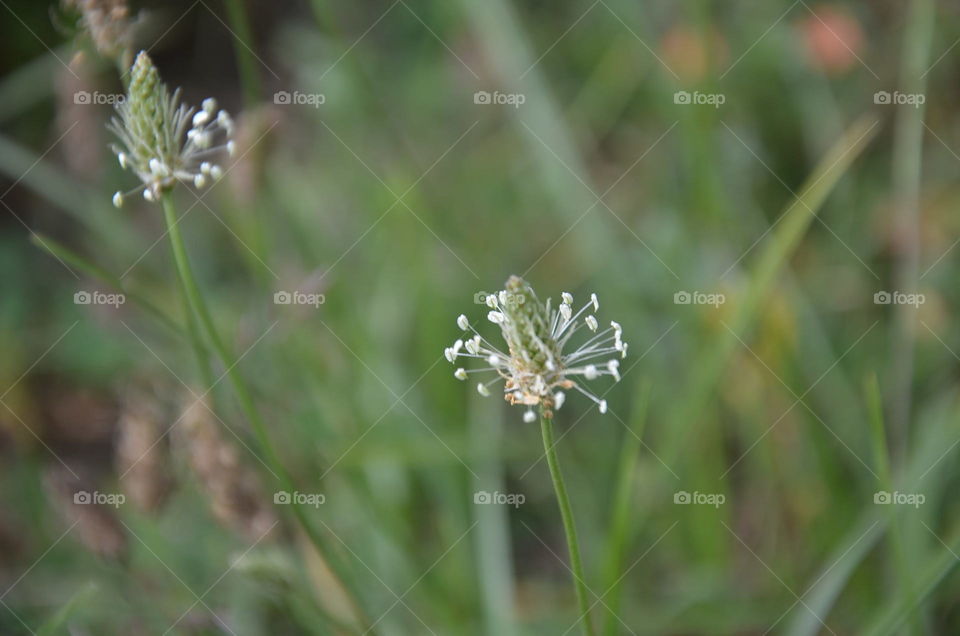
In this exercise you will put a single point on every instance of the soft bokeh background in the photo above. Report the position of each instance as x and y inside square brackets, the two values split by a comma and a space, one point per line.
[797, 402]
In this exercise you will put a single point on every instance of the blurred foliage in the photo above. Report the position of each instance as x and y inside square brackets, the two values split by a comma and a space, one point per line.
[399, 198]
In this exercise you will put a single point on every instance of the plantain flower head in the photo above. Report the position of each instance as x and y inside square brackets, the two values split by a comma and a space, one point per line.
[164, 141]
[536, 369]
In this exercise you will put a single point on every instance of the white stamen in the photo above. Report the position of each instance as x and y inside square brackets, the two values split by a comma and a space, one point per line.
[118, 199]
[591, 323]
[483, 390]
[462, 322]
[460, 374]
[529, 416]
[614, 368]
[558, 399]
[473, 346]
[495, 317]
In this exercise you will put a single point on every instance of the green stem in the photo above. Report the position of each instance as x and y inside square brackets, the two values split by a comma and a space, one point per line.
[907, 167]
[569, 526]
[198, 310]
[243, 46]
[621, 516]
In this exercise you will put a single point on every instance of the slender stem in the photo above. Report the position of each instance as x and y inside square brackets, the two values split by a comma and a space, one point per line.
[907, 165]
[903, 573]
[243, 47]
[621, 514]
[569, 526]
[199, 310]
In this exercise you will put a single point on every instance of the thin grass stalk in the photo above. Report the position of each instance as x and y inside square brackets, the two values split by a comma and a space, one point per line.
[569, 525]
[907, 156]
[243, 47]
[621, 509]
[492, 541]
[903, 574]
[198, 306]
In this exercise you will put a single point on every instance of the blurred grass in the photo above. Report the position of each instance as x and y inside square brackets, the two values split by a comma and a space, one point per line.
[355, 394]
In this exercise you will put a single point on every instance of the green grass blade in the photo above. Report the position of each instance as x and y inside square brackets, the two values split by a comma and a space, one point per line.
[938, 432]
[904, 603]
[55, 624]
[621, 508]
[70, 257]
[785, 238]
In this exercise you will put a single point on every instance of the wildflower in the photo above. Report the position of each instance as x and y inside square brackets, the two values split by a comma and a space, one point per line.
[535, 368]
[164, 141]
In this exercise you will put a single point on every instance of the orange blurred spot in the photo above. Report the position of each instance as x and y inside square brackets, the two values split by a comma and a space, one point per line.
[691, 55]
[833, 38]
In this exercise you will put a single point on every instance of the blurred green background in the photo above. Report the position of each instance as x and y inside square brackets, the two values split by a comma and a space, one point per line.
[795, 160]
